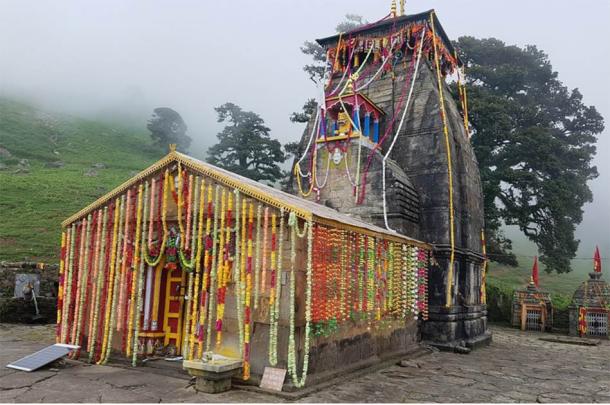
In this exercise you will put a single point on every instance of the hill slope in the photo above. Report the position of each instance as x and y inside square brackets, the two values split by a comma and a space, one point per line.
[47, 173]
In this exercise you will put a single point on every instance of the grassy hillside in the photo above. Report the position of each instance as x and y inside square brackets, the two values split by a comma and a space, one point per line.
[34, 197]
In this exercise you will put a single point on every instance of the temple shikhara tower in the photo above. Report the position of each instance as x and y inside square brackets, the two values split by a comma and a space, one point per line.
[389, 145]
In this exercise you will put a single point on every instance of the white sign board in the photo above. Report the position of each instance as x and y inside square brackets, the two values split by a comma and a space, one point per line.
[273, 378]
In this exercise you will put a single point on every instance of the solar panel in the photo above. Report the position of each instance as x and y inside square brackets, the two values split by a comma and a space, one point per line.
[42, 357]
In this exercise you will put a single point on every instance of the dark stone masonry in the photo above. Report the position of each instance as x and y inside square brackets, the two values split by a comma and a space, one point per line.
[17, 307]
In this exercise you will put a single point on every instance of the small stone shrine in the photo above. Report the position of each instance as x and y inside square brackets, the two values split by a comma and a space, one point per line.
[532, 307]
[590, 307]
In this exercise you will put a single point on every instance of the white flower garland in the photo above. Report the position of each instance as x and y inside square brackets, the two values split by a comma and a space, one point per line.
[274, 311]
[237, 268]
[257, 259]
[117, 269]
[140, 276]
[292, 366]
[212, 293]
[100, 283]
[68, 283]
[85, 271]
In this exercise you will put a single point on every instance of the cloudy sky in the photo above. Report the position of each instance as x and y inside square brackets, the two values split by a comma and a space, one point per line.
[123, 58]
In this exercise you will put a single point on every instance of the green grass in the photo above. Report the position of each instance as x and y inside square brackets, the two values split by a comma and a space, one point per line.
[33, 205]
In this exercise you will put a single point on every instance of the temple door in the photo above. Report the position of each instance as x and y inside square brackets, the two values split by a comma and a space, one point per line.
[174, 305]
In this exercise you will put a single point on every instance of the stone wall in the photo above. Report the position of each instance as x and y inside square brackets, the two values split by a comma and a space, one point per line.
[20, 310]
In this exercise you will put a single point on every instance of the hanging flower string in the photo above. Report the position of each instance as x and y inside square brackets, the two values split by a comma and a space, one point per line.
[228, 244]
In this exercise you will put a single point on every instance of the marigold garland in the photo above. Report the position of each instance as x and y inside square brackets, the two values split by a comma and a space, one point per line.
[207, 267]
[79, 285]
[85, 287]
[99, 284]
[277, 244]
[193, 199]
[122, 281]
[139, 274]
[200, 247]
[264, 260]
[257, 260]
[117, 267]
[60, 289]
[68, 284]
[134, 267]
[248, 297]
[164, 190]
[109, 303]
[223, 261]
[292, 362]
[216, 251]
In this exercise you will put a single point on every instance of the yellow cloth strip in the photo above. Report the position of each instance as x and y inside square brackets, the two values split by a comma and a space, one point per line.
[448, 298]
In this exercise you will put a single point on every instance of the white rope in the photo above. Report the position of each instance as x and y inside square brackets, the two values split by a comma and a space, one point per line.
[402, 119]
[321, 186]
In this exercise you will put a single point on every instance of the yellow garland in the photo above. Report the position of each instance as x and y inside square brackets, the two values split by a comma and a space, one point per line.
[68, 284]
[99, 285]
[79, 282]
[264, 265]
[122, 286]
[248, 293]
[117, 268]
[152, 210]
[206, 259]
[189, 209]
[195, 297]
[448, 298]
[139, 274]
[220, 266]
[134, 279]
[110, 292]
[178, 188]
[92, 301]
[60, 290]
[193, 196]
[155, 262]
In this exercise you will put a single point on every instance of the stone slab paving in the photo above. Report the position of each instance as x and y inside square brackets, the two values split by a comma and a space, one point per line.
[517, 367]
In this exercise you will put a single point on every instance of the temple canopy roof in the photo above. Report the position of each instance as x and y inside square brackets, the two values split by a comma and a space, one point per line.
[384, 26]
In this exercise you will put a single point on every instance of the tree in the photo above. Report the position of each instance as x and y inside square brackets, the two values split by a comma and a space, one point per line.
[245, 146]
[534, 140]
[168, 127]
[315, 70]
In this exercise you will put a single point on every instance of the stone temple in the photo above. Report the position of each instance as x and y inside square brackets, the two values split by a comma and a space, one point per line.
[386, 146]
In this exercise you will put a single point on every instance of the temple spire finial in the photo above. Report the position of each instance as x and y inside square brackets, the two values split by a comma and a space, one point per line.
[393, 9]
[172, 147]
[402, 7]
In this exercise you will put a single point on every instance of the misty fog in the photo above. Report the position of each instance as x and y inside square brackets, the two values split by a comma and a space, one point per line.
[120, 59]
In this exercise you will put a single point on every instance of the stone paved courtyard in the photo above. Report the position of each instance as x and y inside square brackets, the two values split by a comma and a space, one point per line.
[517, 367]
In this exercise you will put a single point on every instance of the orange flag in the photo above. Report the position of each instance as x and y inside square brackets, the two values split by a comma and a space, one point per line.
[597, 261]
[535, 271]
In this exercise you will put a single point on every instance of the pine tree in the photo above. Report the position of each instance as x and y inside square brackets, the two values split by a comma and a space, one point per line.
[245, 146]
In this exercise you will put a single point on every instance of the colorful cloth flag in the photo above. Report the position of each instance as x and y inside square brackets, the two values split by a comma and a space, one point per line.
[582, 323]
[597, 261]
[535, 271]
